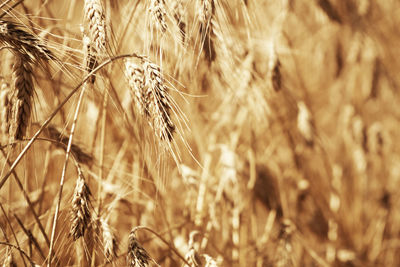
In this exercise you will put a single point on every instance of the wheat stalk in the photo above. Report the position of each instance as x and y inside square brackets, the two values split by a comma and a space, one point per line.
[77, 151]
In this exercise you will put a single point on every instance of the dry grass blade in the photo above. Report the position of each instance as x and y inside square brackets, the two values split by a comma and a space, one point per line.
[80, 213]
[20, 250]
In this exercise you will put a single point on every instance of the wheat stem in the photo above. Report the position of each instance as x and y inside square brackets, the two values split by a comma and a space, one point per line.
[20, 250]
[30, 236]
[27, 199]
[12, 231]
[64, 170]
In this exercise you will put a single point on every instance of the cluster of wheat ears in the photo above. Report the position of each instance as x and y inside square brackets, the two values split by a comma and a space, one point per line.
[199, 133]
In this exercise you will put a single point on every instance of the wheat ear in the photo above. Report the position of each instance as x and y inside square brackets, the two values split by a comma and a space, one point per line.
[192, 255]
[158, 14]
[206, 12]
[89, 57]
[210, 262]
[179, 18]
[137, 256]
[159, 105]
[95, 17]
[80, 213]
[23, 43]
[22, 97]
[28, 49]
[109, 241]
[135, 75]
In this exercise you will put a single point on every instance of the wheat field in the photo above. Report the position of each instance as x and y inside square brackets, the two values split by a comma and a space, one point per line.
[199, 133]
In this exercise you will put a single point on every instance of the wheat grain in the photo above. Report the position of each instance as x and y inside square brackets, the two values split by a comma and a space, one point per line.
[137, 256]
[80, 213]
[27, 49]
[304, 124]
[210, 262]
[274, 66]
[5, 109]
